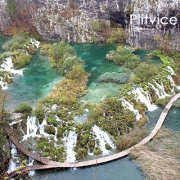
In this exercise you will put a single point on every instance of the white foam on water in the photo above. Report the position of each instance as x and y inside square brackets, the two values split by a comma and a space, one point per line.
[34, 42]
[171, 70]
[69, 144]
[144, 97]
[103, 138]
[129, 106]
[13, 164]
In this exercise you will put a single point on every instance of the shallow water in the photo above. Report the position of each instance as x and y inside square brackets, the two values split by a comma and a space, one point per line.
[97, 64]
[122, 169]
[37, 81]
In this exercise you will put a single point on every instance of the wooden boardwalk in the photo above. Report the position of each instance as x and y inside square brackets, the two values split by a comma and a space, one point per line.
[52, 164]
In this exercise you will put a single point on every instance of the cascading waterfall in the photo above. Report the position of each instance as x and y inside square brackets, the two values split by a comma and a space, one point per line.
[155, 90]
[31, 161]
[162, 92]
[34, 42]
[4, 85]
[15, 161]
[129, 106]
[171, 70]
[103, 138]
[70, 143]
[143, 96]
[7, 66]
[82, 118]
[32, 127]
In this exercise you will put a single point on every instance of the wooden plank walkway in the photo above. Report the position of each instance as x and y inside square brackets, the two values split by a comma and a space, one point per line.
[52, 164]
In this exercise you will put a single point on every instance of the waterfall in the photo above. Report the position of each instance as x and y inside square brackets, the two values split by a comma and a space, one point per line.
[69, 144]
[4, 85]
[162, 92]
[14, 162]
[8, 66]
[155, 90]
[171, 70]
[32, 127]
[129, 106]
[143, 96]
[34, 42]
[82, 118]
[31, 161]
[103, 138]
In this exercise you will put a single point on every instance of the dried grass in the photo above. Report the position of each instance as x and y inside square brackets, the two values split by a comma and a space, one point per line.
[160, 158]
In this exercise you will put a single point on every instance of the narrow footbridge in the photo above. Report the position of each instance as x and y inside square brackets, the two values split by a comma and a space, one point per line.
[48, 164]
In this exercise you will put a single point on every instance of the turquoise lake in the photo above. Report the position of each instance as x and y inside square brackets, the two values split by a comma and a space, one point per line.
[39, 79]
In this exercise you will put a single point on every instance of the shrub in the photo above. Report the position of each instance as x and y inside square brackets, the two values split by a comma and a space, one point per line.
[5, 54]
[76, 72]
[133, 137]
[24, 107]
[176, 103]
[97, 26]
[120, 78]
[124, 56]
[162, 102]
[39, 112]
[14, 43]
[145, 71]
[21, 60]
[68, 63]
[118, 36]
[58, 50]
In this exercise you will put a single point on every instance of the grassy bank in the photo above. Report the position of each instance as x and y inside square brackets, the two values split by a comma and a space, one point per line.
[160, 158]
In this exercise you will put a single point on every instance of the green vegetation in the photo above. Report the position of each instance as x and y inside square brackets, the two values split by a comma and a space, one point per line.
[132, 138]
[39, 112]
[97, 26]
[16, 42]
[63, 56]
[111, 118]
[159, 159]
[12, 7]
[48, 149]
[24, 107]
[20, 48]
[145, 71]
[118, 36]
[22, 60]
[120, 78]
[162, 102]
[124, 56]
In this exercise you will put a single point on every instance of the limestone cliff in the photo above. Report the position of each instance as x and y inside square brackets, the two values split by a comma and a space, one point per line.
[90, 20]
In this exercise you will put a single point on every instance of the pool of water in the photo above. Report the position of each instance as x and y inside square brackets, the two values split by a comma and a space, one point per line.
[172, 120]
[37, 81]
[122, 169]
[97, 64]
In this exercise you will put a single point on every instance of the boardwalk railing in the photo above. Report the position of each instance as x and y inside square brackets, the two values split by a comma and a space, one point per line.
[52, 164]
